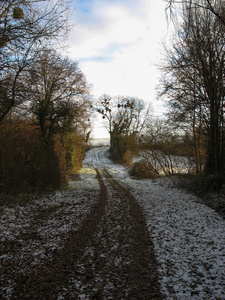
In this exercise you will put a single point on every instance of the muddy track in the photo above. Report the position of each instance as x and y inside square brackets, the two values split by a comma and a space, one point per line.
[110, 257]
[142, 276]
[44, 282]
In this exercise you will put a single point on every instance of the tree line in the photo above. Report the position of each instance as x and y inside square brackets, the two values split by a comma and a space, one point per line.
[194, 80]
[45, 102]
[44, 97]
[192, 84]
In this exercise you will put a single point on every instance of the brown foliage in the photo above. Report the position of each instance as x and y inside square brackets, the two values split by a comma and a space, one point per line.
[141, 170]
[70, 151]
[27, 163]
[123, 147]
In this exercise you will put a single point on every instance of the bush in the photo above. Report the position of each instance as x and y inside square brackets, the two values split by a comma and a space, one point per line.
[70, 150]
[201, 184]
[27, 163]
[209, 189]
[123, 147]
[141, 170]
[127, 158]
[31, 163]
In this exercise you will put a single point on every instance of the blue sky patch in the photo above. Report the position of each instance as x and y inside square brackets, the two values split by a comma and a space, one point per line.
[84, 6]
[97, 58]
[106, 54]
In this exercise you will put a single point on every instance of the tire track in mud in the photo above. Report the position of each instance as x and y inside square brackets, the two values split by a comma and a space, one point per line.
[43, 282]
[119, 261]
[110, 257]
[142, 277]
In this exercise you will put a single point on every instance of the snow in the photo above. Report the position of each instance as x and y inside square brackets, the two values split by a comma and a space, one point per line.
[189, 240]
[166, 164]
[188, 237]
[30, 233]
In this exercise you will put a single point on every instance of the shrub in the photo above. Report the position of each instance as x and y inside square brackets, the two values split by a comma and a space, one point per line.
[210, 189]
[127, 158]
[201, 184]
[30, 163]
[27, 163]
[141, 170]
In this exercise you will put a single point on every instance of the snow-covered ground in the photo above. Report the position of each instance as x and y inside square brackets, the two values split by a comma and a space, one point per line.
[189, 237]
[30, 232]
[166, 164]
[100, 142]
[189, 240]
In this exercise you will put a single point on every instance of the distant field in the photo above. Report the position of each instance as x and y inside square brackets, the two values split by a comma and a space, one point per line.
[100, 142]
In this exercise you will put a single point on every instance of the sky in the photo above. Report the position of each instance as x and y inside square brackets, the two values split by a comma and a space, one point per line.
[118, 44]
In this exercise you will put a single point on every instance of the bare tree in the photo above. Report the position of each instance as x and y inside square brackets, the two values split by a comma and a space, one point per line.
[194, 81]
[166, 150]
[215, 7]
[26, 26]
[125, 119]
[57, 93]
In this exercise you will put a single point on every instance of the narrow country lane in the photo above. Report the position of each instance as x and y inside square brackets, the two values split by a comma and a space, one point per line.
[119, 261]
[111, 256]
[110, 236]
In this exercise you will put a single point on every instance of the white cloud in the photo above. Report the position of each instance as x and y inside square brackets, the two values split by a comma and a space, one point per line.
[113, 25]
[117, 45]
[130, 73]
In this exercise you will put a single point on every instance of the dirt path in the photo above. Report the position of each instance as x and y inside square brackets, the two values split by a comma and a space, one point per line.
[110, 257]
